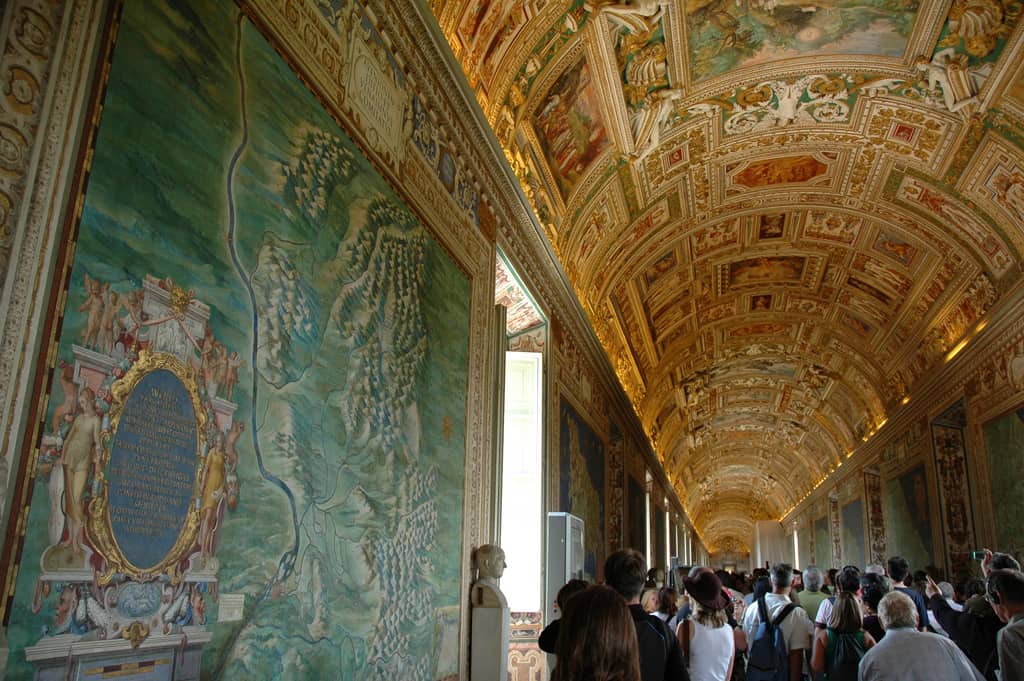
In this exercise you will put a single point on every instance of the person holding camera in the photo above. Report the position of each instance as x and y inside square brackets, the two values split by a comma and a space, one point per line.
[976, 628]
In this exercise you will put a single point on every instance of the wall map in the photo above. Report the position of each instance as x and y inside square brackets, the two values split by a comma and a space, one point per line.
[220, 421]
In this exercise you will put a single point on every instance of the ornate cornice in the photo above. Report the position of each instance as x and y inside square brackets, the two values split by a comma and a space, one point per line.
[30, 30]
[47, 64]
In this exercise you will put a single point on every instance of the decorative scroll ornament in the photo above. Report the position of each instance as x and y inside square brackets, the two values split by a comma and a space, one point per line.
[136, 633]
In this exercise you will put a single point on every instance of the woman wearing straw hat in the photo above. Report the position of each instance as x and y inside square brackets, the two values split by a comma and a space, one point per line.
[708, 641]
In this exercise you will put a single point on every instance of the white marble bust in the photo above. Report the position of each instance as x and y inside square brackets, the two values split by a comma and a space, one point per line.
[490, 564]
[489, 560]
[489, 633]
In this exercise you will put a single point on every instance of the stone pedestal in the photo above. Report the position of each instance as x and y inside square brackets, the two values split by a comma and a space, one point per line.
[164, 658]
[489, 635]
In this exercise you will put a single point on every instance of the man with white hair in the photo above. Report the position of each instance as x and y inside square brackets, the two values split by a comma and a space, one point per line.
[812, 596]
[906, 654]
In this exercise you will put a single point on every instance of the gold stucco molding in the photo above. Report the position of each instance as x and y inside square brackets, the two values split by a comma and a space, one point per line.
[519, 235]
[60, 63]
[963, 375]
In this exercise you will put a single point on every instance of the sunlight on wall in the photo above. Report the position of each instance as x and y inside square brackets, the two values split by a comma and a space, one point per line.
[521, 481]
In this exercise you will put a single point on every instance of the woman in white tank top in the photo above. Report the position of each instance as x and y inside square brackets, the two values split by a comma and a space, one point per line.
[706, 638]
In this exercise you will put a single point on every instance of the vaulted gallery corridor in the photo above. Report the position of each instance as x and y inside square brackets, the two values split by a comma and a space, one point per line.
[306, 300]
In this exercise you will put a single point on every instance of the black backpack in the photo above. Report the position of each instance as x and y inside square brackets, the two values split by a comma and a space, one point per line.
[768, 658]
[843, 654]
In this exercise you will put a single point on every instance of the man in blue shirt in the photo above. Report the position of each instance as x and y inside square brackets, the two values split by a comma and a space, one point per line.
[899, 569]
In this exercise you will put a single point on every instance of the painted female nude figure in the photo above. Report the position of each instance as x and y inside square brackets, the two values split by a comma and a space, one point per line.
[80, 451]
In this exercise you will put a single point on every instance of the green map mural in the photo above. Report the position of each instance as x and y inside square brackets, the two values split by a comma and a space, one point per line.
[338, 328]
[1004, 446]
[908, 517]
[822, 543]
[851, 516]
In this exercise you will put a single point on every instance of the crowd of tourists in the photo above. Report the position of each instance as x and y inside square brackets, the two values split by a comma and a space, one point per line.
[880, 623]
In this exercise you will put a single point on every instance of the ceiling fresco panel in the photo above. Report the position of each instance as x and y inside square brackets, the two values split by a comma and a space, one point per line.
[951, 213]
[780, 215]
[995, 181]
[660, 270]
[570, 126]
[832, 226]
[893, 244]
[724, 35]
[769, 270]
[783, 170]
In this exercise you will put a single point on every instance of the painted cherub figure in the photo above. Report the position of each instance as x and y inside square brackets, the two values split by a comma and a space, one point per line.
[108, 320]
[208, 353]
[81, 451]
[636, 17]
[133, 321]
[95, 292]
[231, 366]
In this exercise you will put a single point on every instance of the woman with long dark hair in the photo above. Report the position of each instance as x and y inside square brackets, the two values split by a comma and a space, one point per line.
[597, 641]
[839, 647]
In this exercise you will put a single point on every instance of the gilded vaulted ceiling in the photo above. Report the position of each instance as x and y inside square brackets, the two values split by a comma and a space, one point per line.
[778, 214]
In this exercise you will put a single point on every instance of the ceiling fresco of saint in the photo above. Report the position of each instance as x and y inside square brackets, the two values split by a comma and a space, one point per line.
[779, 215]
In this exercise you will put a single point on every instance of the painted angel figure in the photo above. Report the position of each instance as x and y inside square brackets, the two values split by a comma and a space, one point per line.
[637, 17]
[213, 486]
[648, 121]
[947, 70]
[106, 336]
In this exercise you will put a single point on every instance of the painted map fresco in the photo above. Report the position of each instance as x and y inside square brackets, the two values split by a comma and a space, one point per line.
[908, 523]
[724, 34]
[635, 508]
[581, 483]
[851, 519]
[659, 538]
[1004, 447]
[217, 169]
[822, 543]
